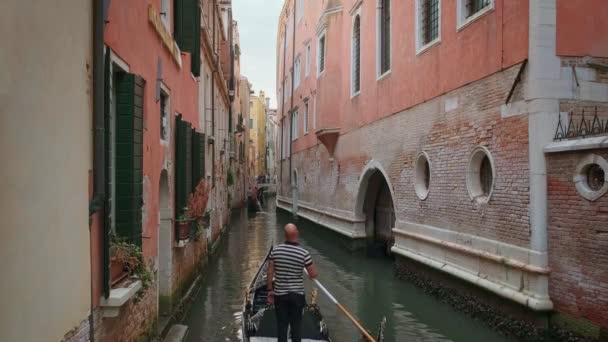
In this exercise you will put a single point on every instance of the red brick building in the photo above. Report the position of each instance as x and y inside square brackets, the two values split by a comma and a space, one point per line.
[423, 125]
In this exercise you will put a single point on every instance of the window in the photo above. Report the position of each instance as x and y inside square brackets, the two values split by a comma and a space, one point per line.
[427, 23]
[590, 177]
[299, 9]
[165, 13]
[294, 125]
[297, 71]
[164, 110]
[314, 113]
[469, 10]
[384, 36]
[480, 175]
[306, 117]
[250, 123]
[356, 56]
[307, 59]
[422, 179]
[321, 54]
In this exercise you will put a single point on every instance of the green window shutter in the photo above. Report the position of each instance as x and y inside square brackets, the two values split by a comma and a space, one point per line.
[107, 228]
[188, 147]
[180, 166]
[129, 156]
[198, 158]
[187, 26]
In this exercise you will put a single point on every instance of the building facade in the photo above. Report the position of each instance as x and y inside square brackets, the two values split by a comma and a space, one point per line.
[272, 129]
[427, 127]
[44, 240]
[257, 129]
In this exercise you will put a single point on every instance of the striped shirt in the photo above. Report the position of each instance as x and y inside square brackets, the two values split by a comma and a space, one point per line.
[289, 262]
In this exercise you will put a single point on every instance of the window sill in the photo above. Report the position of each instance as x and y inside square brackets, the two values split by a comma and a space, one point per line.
[118, 297]
[426, 47]
[385, 75]
[352, 96]
[466, 22]
[319, 74]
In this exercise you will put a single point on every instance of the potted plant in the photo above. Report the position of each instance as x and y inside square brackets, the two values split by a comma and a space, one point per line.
[126, 260]
[197, 204]
[183, 225]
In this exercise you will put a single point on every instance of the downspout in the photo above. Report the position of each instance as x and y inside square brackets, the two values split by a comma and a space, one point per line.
[283, 112]
[293, 62]
[213, 97]
[99, 132]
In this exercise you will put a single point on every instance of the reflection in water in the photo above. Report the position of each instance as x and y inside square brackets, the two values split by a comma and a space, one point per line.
[366, 286]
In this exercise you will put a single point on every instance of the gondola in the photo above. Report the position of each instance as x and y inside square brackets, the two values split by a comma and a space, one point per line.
[259, 320]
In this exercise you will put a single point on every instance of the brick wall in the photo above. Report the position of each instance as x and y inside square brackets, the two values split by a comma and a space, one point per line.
[186, 262]
[448, 138]
[578, 242]
[136, 322]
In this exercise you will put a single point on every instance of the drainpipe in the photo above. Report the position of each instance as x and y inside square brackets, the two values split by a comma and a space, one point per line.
[283, 113]
[294, 188]
[99, 161]
[213, 97]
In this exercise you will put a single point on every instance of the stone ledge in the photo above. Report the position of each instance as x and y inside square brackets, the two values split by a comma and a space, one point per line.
[577, 145]
[118, 297]
[344, 225]
[533, 302]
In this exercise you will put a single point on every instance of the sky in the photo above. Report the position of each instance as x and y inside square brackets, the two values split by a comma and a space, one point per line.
[257, 20]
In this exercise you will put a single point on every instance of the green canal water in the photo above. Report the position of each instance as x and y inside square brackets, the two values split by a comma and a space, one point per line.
[366, 285]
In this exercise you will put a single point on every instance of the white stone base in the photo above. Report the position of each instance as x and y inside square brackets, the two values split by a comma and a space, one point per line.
[341, 222]
[509, 271]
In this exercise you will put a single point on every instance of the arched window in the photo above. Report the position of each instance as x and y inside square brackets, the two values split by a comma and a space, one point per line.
[356, 55]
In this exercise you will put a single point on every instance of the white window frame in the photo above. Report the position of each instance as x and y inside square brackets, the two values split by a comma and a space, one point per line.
[306, 110]
[419, 47]
[164, 90]
[463, 22]
[297, 71]
[308, 52]
[294, 125]
[299, 10]
[320, 36]
[165, 7]
[355, 14]
[379, 74]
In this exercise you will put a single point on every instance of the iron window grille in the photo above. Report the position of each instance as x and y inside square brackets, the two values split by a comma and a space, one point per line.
[486, 177]
[163, 116]
[474, 6]
[357, 55]
[321, 54]
[429, 14]
[385, 36]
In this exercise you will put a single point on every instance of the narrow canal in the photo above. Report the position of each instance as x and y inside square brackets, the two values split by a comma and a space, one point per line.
[366, 285]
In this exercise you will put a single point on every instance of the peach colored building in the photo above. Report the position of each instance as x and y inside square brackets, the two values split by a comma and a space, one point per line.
[424, 127]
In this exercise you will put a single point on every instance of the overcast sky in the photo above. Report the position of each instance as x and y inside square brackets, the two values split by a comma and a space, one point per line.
[258, 30]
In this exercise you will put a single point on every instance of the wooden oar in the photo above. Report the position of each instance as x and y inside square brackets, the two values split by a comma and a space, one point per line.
[343, 309]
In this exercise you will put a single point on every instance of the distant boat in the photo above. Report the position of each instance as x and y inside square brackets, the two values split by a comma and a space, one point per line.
[259, 320]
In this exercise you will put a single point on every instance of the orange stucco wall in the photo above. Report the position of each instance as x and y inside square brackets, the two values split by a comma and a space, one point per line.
[134, 40]
[495, 41]
[582, 28]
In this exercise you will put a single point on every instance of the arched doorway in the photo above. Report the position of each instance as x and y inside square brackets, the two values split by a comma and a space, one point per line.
[165, 245]
[375, 205]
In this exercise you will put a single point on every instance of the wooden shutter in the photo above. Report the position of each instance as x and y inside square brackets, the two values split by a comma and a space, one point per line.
[187, 26]
[198, 158]
[129, 156]
[180, 166]
[107, 227]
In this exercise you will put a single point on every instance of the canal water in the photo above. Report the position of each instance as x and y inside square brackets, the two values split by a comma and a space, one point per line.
[366, 285]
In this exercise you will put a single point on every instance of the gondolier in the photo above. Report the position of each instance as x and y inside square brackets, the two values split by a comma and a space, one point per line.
[286, 266]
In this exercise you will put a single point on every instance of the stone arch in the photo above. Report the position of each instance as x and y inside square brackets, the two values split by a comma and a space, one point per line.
[165, 243]
[375, 203]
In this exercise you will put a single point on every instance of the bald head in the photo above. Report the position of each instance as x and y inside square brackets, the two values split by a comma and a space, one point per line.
[291, 232]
